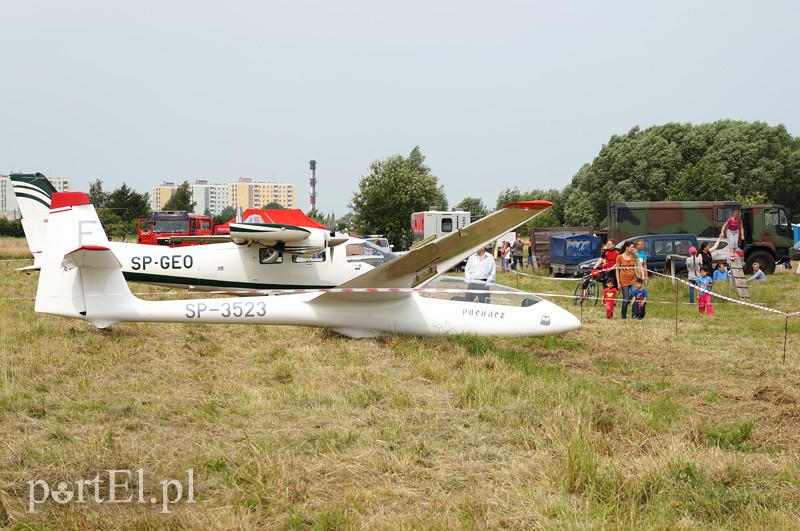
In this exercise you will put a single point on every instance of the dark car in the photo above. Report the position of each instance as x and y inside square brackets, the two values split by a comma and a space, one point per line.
[658, 247]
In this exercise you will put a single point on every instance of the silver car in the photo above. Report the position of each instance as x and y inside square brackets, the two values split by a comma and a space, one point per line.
[721, 253]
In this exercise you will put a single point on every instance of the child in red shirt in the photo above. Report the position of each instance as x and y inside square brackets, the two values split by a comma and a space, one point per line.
[610, 298]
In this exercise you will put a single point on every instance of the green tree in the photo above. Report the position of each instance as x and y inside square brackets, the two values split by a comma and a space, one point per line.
[474, 206]
[550, 218]
[122, 209]
[395, 188]
[228, 213]
[317, 216]
[723, 160]
[181, 199]
[273, 205]
[345, 223]
[96, 194]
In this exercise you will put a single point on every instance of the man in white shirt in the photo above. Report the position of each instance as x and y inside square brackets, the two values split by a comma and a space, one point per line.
[480, 266]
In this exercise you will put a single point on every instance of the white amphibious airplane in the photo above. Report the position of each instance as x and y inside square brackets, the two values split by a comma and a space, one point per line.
[255, 255]
[81, 277]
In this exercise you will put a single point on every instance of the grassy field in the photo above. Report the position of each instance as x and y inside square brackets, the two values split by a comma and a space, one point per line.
[11, 248]
[621, 424]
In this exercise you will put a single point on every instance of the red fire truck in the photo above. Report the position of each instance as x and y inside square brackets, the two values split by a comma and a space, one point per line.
[158, 228]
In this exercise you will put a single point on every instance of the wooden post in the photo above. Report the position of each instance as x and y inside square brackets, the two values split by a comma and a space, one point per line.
[677, 287]
[785, 336]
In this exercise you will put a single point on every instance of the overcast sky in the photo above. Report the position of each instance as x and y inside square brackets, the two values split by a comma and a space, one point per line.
[496, 94]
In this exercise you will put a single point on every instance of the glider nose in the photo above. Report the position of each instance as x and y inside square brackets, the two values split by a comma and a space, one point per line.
[557, 318]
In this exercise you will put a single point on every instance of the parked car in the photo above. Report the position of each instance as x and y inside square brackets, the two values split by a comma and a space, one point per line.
[658, 247]
[721, 254]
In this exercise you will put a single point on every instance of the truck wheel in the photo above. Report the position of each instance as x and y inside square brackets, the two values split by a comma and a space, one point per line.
[765, 262]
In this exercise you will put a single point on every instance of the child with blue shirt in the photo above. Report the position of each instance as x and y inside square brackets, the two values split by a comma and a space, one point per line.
[639, 300]
[704, 283]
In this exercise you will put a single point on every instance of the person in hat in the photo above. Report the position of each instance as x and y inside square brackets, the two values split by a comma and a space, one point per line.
[693, 265]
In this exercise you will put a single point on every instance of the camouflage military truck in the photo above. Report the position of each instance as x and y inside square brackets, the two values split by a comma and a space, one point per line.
[767, 230]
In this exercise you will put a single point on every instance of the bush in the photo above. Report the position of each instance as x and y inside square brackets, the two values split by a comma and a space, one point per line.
[9, 227]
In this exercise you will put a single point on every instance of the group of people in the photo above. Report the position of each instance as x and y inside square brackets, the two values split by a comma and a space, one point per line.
[631, 269]
[511, 255]
[629, 275]
[626, 272]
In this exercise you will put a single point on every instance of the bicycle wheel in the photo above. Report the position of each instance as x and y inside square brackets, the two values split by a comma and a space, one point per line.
[579, 295]
[592, 293]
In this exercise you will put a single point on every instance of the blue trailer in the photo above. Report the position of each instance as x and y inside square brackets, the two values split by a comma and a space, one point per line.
[569, 250]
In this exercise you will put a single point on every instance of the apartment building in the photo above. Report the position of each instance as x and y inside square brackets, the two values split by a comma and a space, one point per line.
[215, 197]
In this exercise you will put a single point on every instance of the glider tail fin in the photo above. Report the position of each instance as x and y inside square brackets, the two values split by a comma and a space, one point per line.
[33, 193]
[80, 276]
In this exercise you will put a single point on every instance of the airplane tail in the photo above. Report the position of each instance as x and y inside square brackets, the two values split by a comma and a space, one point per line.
[80, 276]
[33, 192]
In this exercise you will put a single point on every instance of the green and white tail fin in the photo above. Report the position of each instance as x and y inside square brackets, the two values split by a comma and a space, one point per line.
[33, 192]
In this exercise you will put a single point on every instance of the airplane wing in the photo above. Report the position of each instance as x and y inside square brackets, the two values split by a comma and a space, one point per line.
[424, 263]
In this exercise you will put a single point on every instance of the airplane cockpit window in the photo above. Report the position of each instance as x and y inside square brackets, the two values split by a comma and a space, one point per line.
[316, 257]
[496, 294]
[254, 218]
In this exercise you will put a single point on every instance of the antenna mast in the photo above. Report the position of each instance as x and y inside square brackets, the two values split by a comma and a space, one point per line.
[313, 182]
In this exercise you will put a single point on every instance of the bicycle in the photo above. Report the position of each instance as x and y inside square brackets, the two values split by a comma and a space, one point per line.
[587, 289]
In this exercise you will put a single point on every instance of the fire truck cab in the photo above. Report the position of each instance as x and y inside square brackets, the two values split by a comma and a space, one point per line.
[161, 226]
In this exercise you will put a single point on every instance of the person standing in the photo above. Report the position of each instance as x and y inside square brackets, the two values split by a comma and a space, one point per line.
[639, 300]
[505, 255]
[626, 275]
[733, 231]
[641, 256]
[610, 298]
[704, 284]
[693, 265]
[530, 254]
[516, 253]
[480, 267]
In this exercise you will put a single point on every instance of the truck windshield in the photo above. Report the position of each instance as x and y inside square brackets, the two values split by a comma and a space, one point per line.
[170, 225]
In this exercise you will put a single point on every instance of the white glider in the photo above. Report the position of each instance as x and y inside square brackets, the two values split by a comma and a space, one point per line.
[81, 277]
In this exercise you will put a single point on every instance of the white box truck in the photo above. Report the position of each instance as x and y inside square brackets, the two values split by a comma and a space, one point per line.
[436, 223]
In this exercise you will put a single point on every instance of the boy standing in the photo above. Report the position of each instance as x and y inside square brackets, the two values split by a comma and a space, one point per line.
[704, 282]
[639, 300]
[610, 298]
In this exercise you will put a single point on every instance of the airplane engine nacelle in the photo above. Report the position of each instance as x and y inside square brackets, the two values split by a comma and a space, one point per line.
[314, 243]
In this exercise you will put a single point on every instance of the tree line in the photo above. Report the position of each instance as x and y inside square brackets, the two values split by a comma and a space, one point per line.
[749, 162]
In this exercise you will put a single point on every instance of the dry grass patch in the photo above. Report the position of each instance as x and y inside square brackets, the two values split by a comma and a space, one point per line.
[14, 248]
[619, 424]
